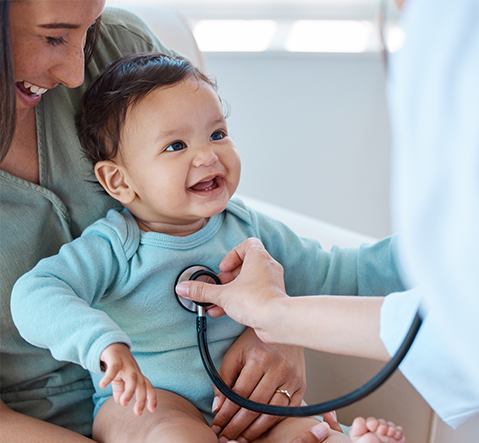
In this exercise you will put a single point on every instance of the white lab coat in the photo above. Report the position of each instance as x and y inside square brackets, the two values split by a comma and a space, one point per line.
[434, 100]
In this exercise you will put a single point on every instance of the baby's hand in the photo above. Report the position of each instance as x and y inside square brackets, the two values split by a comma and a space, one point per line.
[126, 379]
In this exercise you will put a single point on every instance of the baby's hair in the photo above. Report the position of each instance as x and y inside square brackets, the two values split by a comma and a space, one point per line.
[122, 84]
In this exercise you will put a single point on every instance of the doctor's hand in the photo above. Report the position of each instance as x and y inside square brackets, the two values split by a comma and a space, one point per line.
[254, 292]
[124, 374]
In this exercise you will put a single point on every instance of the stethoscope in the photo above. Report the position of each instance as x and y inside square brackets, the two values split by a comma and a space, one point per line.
[202, 273]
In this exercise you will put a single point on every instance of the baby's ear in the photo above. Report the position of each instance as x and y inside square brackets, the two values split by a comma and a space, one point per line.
[111, 177]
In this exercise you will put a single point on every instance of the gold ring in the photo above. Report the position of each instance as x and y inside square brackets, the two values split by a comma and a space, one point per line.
[285, 392]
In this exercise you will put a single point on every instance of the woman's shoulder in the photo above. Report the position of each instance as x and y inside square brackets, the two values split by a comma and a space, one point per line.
[127, 31]
[121, 33]
[117, 18]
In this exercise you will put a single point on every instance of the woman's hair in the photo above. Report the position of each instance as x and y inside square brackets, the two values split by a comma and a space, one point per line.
[7, 82]
[7, 78]
[121, 85]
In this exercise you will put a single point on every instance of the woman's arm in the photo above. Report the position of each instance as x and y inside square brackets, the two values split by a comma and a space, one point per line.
[19, 428]
[257, 298]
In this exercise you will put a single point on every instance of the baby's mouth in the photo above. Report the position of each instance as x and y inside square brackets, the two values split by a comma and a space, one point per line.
[206, 185]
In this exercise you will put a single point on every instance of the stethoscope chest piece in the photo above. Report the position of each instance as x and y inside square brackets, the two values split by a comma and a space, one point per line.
[198, 273]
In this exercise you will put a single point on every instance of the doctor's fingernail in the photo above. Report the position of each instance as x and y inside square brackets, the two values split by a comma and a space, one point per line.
[242, 440]
[216, 429]
[182, 288]
[223, 440]
[216, 405]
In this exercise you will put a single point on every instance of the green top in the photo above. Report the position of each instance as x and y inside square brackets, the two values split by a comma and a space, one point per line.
[35, 220]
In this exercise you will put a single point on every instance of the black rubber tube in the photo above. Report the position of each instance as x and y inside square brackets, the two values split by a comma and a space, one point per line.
[305, 411]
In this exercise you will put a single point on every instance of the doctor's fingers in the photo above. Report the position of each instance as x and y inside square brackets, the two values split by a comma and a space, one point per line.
[257, 268]
[200, 292]
[223, 296]
[250, 249]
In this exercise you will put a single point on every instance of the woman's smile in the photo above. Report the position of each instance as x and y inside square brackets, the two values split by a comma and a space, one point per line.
[29, 93]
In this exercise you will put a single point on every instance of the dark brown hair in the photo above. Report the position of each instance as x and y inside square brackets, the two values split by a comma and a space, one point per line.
[7, 82]
[7, 78]
[122, 84]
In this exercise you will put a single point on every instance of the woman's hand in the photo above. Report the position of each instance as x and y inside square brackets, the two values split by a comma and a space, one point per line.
[254, 292]
[256, 370]
[317, 434]
[126, 379]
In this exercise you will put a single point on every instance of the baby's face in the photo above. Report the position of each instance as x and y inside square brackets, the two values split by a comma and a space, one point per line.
[178, 158]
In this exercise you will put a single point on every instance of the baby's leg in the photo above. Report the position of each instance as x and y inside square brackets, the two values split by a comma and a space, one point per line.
[287, 430]
[175, 420]
[375, 430]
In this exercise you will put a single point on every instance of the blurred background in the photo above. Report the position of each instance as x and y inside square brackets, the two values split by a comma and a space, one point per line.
[305, 84]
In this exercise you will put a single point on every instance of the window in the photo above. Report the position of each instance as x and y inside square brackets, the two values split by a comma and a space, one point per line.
[330, 26]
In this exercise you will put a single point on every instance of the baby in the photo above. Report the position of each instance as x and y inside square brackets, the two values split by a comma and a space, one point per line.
[154, 128]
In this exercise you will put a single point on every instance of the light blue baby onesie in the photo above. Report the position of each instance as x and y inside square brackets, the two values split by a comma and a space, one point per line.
[116, 284]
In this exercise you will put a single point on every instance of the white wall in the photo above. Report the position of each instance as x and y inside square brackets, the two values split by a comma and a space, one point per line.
[312, 130]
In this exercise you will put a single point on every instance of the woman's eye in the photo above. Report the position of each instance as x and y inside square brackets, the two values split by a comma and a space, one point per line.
[176, 146]
[56, 41]
[217, 135]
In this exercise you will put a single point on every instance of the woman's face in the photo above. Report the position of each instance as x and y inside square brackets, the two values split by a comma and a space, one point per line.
[48, 37]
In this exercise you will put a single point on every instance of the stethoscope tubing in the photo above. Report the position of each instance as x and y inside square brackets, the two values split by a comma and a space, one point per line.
[303, 411]
[193, 272]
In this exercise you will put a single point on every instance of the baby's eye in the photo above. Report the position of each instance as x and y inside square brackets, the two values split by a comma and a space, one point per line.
[56, 41]
[217, 135]
[176, 146]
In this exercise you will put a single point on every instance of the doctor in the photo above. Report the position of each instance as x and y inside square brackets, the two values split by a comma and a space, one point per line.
[434, 100]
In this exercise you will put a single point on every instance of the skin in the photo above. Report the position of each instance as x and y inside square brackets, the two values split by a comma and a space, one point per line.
[278, 318]
[371, 430]
[40, 63]
[46, 55]
[177, 167]
[48, 38]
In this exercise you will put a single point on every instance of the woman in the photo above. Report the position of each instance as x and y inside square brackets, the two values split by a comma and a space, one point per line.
[48, 59]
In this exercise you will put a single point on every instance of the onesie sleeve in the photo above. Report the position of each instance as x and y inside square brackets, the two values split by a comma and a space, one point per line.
[53, 305]
[370, 270]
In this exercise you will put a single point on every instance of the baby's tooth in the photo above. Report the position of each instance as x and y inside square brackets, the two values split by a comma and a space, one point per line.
[34, 89]
[41, 91]
[27, 84]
